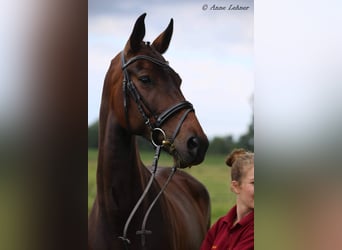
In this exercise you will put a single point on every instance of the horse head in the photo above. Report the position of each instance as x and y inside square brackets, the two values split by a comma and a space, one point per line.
[147, 99]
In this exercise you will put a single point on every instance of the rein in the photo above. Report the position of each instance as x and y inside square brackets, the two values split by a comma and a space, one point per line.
[156, 132]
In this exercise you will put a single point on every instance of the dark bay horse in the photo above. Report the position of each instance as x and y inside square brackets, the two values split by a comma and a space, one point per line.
[142, 96]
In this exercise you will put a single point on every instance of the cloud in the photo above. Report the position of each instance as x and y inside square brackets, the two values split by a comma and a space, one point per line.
[212, 52]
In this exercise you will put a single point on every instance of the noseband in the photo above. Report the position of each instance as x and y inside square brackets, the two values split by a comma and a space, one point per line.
[156, 131]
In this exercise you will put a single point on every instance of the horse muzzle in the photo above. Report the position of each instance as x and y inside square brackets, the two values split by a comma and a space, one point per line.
[190, 153]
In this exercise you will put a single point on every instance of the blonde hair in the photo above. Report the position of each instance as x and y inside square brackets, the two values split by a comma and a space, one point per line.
[238, 159]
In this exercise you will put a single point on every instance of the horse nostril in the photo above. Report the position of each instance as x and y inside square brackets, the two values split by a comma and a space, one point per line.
[197, 148]
[193, 143]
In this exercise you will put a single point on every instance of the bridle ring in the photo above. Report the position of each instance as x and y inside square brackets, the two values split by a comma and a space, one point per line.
[155, 133]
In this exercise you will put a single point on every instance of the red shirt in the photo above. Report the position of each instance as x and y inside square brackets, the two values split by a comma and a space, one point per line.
[224, 236]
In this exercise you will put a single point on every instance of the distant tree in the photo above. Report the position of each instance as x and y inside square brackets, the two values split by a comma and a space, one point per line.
[144, 144]
[230, 144]
[221, 145]
[246, 140]
[218, 145]
[93, 135]
[224, 145]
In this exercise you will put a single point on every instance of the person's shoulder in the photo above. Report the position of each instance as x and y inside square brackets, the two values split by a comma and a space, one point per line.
[221, 220]
[228, 217]
[231, 215]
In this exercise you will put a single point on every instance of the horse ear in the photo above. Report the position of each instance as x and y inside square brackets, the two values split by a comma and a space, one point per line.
[138, 33]
[161, 43]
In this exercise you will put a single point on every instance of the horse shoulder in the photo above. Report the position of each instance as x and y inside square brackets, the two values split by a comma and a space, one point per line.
[189, 206]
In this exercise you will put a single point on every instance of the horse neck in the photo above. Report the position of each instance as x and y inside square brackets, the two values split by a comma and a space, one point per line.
[120, 172]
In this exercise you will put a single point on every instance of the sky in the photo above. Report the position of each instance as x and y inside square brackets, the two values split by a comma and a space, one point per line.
[212, 51]
[294, 47]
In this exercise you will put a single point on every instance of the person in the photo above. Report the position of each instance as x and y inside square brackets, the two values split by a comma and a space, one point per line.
[235, 230]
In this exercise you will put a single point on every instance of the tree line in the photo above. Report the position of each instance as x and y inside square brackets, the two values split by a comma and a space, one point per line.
[217, 145]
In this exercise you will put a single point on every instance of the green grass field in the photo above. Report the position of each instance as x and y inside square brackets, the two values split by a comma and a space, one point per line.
[213, 173]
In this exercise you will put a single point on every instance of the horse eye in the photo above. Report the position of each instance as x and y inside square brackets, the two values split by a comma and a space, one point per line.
[145, 79]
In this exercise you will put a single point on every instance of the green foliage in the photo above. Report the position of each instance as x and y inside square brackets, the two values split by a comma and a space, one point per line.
[224, 145]
[144, 145]
[93, 135]
[221, 145]
[93, 131]
[246, 140]
[218, 145]
[213, 173]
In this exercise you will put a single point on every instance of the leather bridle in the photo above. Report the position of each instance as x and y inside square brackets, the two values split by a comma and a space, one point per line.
[156, 130]
[129, 88]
